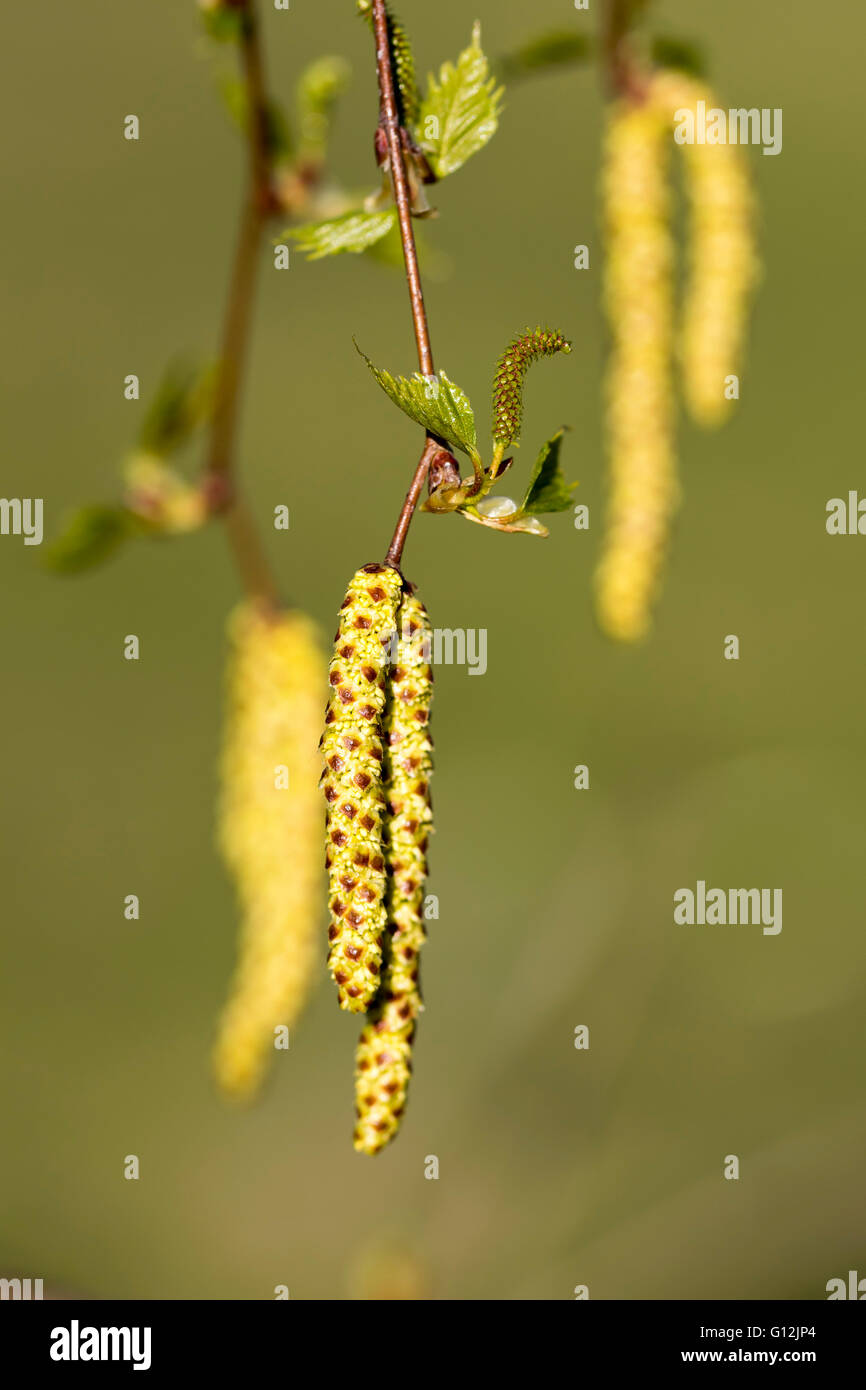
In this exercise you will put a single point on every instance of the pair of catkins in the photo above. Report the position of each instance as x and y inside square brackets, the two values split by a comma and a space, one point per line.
[377, 766]
[643, 489]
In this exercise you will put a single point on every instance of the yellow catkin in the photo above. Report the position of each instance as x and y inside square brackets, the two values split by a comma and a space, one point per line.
[642, 489]
[270, 832]
[383, 1061]
[723, 262]
[352, 782]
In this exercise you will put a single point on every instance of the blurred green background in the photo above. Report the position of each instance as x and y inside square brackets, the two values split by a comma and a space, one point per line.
[557, 1167]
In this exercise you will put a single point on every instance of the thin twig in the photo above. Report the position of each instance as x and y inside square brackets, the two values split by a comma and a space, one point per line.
[407, 511]
[624, 76]
[259, 205]
[389, 121]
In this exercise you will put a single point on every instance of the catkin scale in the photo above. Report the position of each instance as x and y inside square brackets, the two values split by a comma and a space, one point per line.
[269, 835]
[722, 259]
[352, 783]
[642, 491]
[383, 1061]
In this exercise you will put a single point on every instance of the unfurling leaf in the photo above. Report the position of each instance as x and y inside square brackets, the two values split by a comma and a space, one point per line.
[224, 23]
[548, 491]
[507, 520]
[161, 498]
[319, 87]
[461, 110]
[562, 48]
[182, 403]
[351, 231]
[91, 536]
[434, 402]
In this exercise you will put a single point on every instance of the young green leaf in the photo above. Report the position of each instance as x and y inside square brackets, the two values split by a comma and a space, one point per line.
[548, 491]
[320, 85]
[461, 110]
[351, 231]
[434, 402]
[181, 404]
[224, 23]
[561, 48]
[91, 536]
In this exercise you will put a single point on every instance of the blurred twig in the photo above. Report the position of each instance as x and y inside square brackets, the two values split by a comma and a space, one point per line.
[259, 205]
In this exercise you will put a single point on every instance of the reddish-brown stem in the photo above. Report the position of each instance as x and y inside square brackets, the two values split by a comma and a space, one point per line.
[253, 567]
[395, 549]
[389, 120]
[624, 76]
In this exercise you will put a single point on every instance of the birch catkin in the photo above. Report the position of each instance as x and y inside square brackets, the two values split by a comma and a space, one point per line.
[269, 832]
[383, 1061]
[510, 374]
[643, 490]
[722, 257]
[352, 783]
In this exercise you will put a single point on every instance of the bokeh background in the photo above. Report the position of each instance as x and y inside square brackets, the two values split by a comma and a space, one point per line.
[557, 1167]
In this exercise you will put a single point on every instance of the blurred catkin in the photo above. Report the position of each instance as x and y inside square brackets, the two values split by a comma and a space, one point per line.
[352, 782]
[642, 486]
[722, 257]
[270, 832]
[383, 1061]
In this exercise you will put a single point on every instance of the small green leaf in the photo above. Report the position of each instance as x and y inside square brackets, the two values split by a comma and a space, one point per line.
[319, 87]
[548, 491]
[561, 48]
[180, 406]
[682, 54]
[91, 536]
[460, 112]
[223, 22]
[351, 231]
[236, 101]
[434, 402]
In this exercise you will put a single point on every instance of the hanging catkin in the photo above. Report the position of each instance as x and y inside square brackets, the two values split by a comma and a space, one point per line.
[269, 832]
[722, 258]
[383, 1061]
[642, 488]
[352, 783]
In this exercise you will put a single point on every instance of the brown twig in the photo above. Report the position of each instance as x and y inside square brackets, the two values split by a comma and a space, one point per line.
[407, 511]
[259, 205]
[389, 121]
[624, 76]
